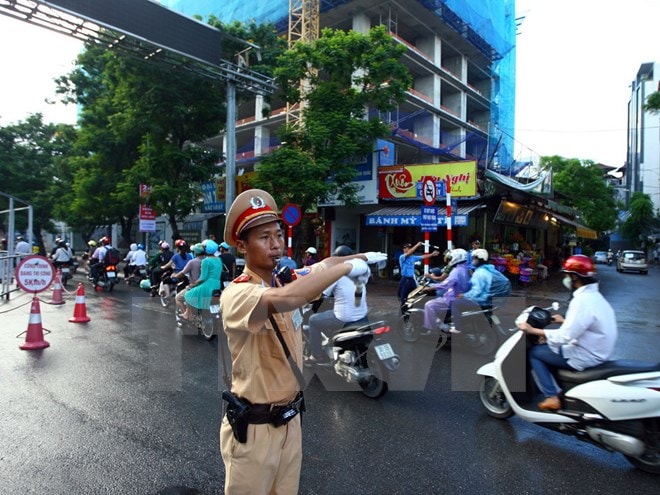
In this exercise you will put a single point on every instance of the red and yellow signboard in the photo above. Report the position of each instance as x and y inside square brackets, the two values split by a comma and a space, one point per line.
[405, 181]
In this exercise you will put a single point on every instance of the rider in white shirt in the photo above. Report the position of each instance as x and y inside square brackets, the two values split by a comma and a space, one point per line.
[350, 308]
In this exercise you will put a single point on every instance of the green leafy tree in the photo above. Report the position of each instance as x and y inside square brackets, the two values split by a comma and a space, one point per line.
[138, 124]
[33, 169]
[580, 185]
[652, 104]
[641, 221]
[346, 73]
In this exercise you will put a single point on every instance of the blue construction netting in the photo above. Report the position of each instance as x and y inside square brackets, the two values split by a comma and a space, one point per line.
[489, 25]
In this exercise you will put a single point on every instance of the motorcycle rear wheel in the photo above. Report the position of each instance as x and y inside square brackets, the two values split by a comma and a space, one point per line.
[375, 386]
[648, 462]
[493, 398]
[166, 300]
[206, 325]
[411, 326]
[477, 338]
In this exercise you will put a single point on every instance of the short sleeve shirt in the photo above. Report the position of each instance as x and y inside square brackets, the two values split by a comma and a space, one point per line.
[260, 371]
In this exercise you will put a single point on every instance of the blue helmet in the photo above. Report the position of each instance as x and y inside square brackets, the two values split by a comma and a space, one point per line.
[141, 246]
[211, 246]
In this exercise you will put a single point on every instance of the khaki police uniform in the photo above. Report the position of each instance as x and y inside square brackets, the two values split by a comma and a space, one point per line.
[269, 461]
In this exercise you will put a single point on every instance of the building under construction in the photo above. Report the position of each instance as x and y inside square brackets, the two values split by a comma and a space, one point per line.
[460, 109]
[460, 53]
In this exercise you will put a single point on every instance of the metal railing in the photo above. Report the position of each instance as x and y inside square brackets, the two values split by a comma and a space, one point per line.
[8, 264]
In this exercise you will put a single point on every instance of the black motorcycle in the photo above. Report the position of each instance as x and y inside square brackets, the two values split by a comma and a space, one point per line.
[356, 353]
[107, 278]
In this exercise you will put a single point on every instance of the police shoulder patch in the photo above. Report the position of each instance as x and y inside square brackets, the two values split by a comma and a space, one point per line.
[242, 278]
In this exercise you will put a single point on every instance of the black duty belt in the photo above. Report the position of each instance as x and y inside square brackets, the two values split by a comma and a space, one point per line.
[259, 414]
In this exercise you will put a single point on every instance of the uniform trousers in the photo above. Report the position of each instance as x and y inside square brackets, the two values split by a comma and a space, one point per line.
[267, 464]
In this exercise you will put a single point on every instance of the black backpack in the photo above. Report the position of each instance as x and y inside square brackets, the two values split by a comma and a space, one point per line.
[112, 256]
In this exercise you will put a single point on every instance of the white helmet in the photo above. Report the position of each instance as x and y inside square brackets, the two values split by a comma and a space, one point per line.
[311, 250]
[458, 256]
[480, 254]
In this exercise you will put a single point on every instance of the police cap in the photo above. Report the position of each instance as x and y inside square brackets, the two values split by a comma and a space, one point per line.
[250, 208]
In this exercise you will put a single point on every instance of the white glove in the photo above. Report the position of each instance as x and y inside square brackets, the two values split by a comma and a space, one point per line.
[359, 268]
[375, 257]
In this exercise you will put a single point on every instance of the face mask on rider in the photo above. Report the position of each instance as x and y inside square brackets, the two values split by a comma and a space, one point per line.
[568, 282]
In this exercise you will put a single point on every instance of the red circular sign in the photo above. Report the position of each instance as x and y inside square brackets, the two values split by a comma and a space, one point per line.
[34, 273]
[428, 191]
[291, 214]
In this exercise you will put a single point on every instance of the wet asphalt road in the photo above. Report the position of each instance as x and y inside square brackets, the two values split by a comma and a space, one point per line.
[129, 404]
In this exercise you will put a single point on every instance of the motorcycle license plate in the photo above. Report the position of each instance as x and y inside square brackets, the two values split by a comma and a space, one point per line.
[112, 274]
[384, 351]
[214, 309]
[65, 270]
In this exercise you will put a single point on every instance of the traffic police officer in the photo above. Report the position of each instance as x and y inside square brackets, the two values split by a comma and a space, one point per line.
[266, 457]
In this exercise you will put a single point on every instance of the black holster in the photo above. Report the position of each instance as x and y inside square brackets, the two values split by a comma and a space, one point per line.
[237, 415]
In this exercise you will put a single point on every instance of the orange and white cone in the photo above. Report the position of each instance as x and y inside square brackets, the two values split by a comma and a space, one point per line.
[80, 310]
[34, 338]
[57, 289]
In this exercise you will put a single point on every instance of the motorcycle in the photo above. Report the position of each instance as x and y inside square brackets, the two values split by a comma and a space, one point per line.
[65, 271]
[615, 405]
[138, 274]
[206, 321]
[352, 357]
[476, 330]
[107, 278]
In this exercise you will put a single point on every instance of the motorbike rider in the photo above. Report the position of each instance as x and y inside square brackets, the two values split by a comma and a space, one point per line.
[200, 292]
[310, 256]
[456, 283]
[162, 259]
[487, 282]
[440, 274]
[192, 270]
[176, 263]
[610, 256]
[587, 334]
[349, 309]
[87, 256]
[62, 255]
[139, 260]
[96, 263]
[407, 266]
[130, 266]
[228, 264]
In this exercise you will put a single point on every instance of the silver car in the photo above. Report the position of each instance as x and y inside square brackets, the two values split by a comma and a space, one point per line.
[632, 260]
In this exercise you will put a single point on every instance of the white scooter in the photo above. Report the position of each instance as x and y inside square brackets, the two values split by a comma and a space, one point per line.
[615, 405]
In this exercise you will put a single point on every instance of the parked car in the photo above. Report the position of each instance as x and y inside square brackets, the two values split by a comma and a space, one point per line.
[600, 257]
[632, 260]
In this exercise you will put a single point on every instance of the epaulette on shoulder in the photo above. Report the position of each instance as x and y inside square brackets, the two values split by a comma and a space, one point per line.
[242, 278]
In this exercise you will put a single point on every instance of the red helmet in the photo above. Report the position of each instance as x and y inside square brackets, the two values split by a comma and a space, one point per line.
[580, 265]
[104, 240]
[179, 243]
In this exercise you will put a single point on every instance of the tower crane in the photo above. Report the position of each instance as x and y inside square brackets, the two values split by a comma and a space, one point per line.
[303, 26]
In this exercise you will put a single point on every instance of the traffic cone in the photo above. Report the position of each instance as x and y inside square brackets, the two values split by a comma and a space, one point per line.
[57, 289]
[80, 310]
[35, 332]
